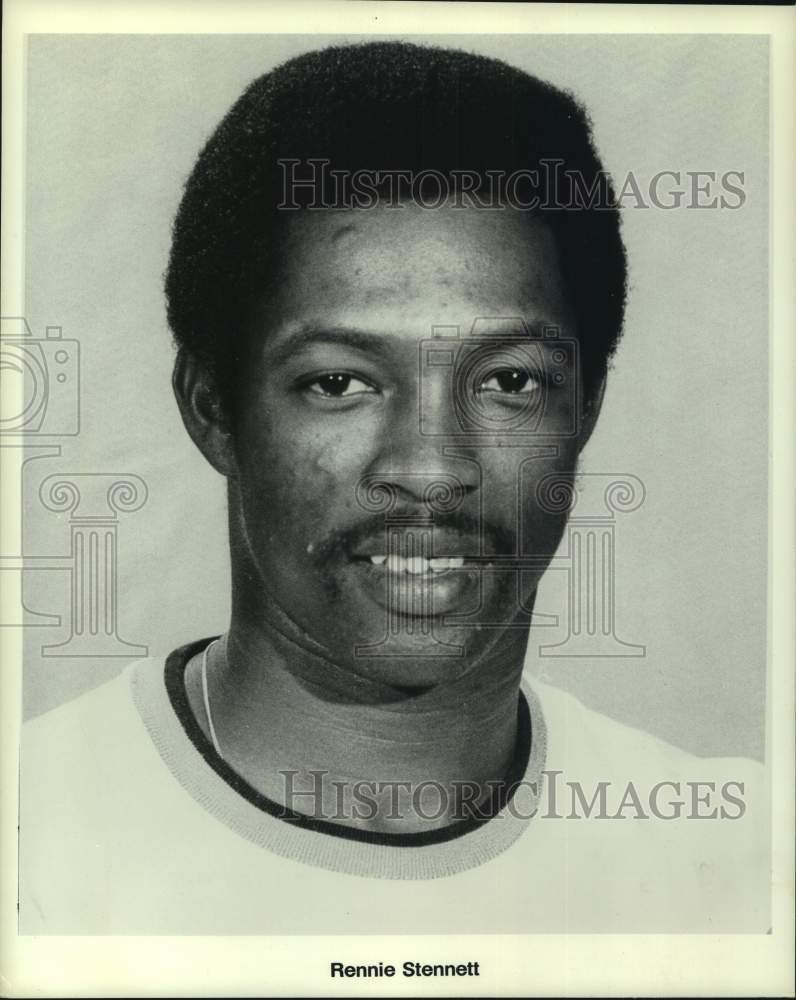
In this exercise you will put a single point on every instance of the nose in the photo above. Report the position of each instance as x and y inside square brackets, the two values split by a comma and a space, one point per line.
[422, 456]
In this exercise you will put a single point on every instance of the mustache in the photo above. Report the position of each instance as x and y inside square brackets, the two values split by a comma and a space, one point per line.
[495, 538]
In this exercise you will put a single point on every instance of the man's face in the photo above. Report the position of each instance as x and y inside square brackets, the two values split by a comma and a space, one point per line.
[384, 493]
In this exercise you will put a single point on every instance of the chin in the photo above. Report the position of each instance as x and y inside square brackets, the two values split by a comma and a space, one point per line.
[423, 655]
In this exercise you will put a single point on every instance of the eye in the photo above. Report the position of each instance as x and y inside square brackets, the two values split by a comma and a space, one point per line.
[338, 385]
[510, 380]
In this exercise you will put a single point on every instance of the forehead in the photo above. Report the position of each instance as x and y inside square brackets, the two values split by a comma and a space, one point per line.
[423, 265]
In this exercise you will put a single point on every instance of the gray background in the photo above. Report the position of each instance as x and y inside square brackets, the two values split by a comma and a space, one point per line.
[114, 124]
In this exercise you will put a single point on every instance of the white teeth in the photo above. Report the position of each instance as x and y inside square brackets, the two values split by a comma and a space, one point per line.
[417, 565]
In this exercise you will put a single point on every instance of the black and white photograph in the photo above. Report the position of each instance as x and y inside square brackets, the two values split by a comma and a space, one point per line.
[389, 428]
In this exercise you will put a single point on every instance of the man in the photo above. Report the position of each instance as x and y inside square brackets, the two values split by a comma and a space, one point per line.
[395, 313]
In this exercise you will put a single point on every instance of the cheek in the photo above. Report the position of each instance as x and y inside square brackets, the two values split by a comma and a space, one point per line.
[546, 493]
[512, 471]
[528, 494]
[293, 486]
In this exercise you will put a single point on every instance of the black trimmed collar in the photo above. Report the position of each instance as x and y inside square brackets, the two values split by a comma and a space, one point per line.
[176, 664]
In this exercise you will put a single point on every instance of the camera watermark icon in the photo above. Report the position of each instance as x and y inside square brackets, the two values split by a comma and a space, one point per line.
[46, 399]
[40, 398]
[41, 404]
[501, 348]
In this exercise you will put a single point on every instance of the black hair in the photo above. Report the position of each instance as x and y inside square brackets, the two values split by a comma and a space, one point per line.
[383, 106]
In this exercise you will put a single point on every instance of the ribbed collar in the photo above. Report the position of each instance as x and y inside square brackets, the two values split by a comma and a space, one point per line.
[159, 695]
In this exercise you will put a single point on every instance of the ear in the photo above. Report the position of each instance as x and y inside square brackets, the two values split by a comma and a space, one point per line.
[591, 410]
[202, 412]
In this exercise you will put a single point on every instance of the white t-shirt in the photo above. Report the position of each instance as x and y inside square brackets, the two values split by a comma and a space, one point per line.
[130, 824]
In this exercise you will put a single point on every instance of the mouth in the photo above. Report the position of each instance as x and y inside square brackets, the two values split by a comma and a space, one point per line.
[416, 565]
[413, 575]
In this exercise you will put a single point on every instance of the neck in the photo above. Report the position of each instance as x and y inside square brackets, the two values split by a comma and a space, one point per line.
[323, 742]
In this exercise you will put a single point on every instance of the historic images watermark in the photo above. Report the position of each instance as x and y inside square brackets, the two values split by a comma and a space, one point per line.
[316, 185]
[553, 796]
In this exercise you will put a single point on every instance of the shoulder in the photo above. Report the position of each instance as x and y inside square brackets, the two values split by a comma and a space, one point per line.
[84, 706]
[645, 820]
[82, 747]
[93, 716]
[581, 738]
[91, 785]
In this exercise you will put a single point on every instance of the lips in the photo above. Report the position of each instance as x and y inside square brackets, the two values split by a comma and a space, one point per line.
[420, 570]
[413, 579]
[412, 540]
[416, 592]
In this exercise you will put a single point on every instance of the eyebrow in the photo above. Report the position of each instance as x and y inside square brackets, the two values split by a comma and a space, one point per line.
[309, 334]
[344, 336]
